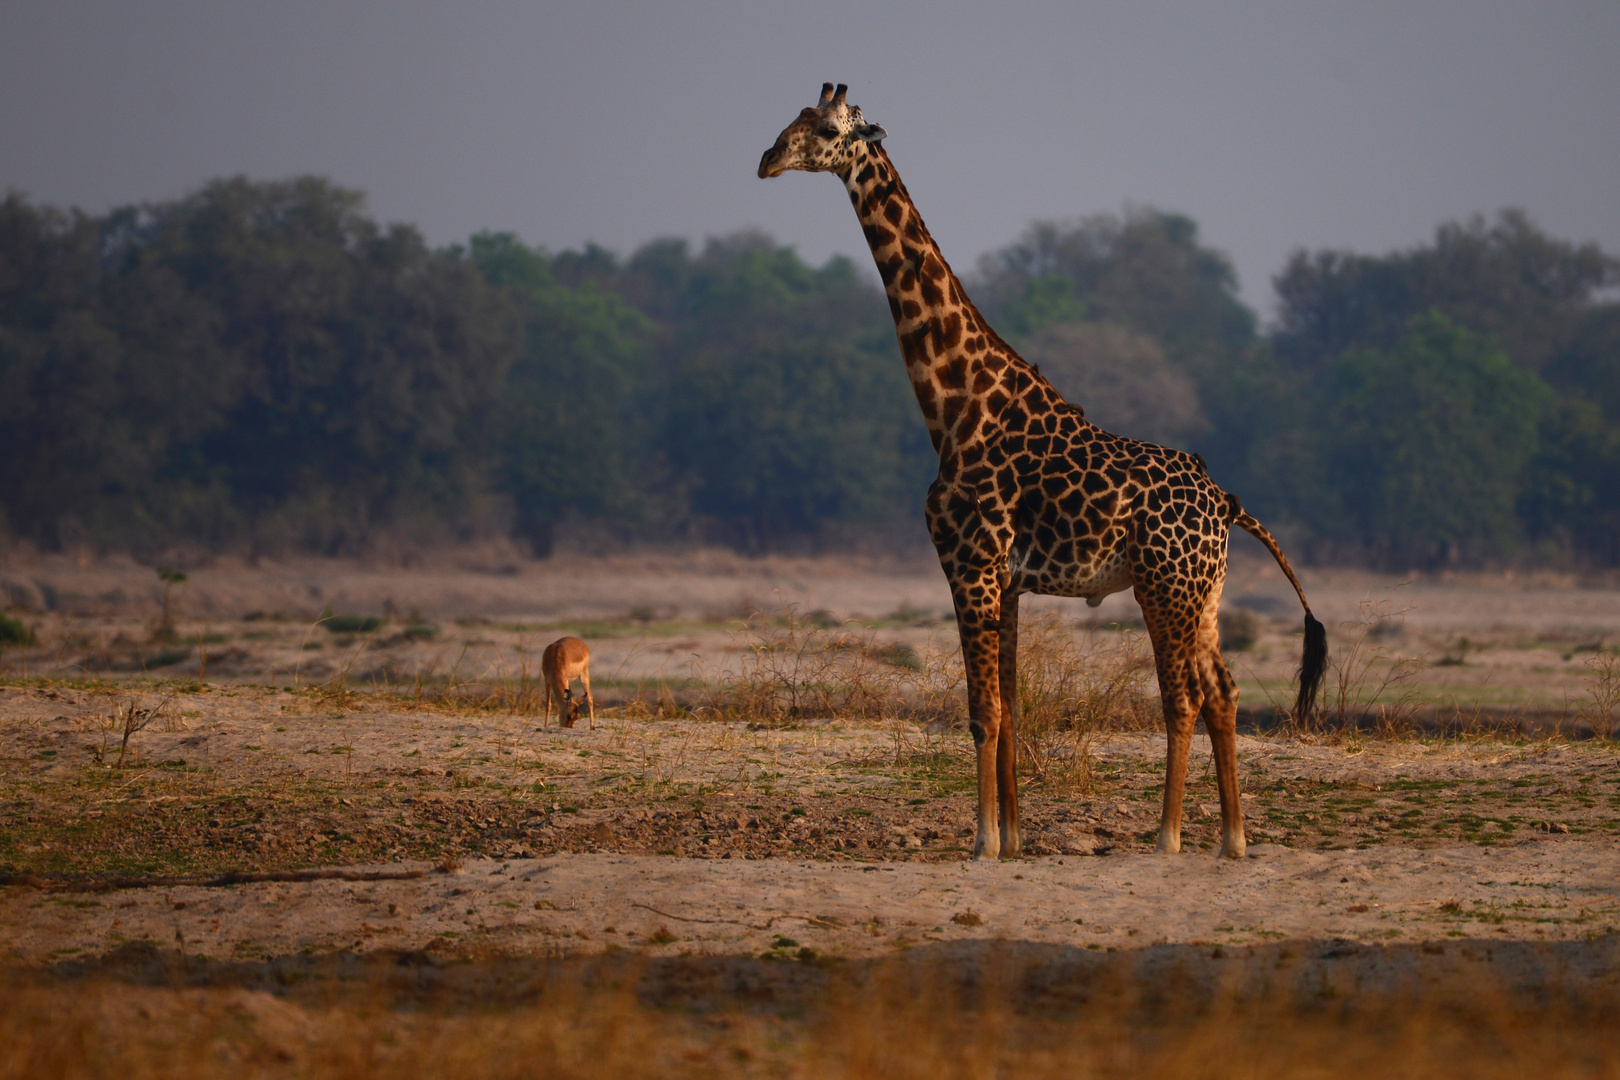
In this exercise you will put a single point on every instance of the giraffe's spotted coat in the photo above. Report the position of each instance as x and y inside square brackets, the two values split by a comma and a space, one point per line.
[1031, 497]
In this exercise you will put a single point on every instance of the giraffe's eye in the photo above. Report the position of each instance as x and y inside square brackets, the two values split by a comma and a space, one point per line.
[828, 133]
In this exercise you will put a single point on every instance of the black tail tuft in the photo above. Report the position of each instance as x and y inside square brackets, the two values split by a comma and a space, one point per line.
[1312, 668]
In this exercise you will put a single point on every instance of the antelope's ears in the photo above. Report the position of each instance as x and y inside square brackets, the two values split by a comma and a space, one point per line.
[870, 132]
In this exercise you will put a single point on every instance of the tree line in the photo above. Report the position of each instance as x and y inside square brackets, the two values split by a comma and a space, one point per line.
[262, 365]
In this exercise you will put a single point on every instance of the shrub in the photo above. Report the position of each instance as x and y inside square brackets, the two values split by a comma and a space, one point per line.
[15, 632]
[1239, 630]
[351, 624]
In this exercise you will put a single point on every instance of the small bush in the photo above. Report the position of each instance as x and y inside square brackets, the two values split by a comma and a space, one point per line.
[791, 668]
[1603, 688]
[15, 632]
[900, 655]
[1239, 630]
[351, 624]
[1367, 678]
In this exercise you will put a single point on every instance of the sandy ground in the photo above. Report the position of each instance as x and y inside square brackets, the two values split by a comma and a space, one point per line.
[691, 837]
[677, 836]
[574, 904]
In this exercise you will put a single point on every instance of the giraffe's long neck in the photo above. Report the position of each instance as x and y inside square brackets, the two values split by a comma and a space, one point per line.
[961, 370]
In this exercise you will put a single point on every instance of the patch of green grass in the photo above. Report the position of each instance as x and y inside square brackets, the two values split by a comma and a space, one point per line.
[941, 772]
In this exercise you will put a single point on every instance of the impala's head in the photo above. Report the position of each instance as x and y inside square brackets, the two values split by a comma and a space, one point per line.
[570, 708]
[822, 139]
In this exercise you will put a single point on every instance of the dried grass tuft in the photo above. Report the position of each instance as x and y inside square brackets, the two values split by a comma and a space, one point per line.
[1072, 686]
[1603, 692]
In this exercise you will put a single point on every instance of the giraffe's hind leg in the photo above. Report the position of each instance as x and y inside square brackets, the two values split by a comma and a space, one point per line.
[1181, 707]
[1220, 720]
[1173, 626]
[1219, 696]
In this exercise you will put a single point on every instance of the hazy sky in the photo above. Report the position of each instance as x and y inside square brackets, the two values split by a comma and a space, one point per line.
[1275, 125]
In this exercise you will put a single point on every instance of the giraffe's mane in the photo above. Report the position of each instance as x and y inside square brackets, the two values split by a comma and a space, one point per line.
[993, 339]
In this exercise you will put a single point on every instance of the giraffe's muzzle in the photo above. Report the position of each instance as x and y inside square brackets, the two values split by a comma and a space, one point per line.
[771, 163]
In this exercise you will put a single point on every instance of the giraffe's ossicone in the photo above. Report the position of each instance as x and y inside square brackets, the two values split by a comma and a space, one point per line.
[1030, 497]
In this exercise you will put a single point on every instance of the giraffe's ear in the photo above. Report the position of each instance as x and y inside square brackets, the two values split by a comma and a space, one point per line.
[870, 132]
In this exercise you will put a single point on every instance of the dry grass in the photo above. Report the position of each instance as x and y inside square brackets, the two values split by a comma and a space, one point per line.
[1367, 676]
[890, 1021]
[793, 667]
[1603, 692]
[1073, 683]
[1070, 688]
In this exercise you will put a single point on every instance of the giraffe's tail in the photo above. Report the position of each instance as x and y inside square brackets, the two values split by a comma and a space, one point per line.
[1313, 663]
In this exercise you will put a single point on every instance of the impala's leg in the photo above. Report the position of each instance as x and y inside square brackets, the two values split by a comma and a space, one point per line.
[590, 702]
[1007, 740]
[545, 717]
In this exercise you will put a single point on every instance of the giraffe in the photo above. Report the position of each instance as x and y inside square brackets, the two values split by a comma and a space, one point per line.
[1030, 497]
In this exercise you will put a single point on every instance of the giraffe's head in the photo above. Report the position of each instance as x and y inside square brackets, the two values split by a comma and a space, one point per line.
[822, 139]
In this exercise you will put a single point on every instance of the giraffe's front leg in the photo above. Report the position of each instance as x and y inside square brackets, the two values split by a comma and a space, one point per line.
[1007, 741]
[980, 656]
[973, 555]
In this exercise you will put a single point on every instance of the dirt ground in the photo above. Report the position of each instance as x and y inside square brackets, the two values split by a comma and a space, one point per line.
[464, 827]
[1503, 643]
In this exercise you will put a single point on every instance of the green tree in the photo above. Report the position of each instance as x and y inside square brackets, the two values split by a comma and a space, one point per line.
[256, 360]
[1145, 272]
[789, 414]
[1122, 378]
[564, 432]
[1426, 444]
[1570, 500]
[1505, 278]
[371, 363]
[105, 372]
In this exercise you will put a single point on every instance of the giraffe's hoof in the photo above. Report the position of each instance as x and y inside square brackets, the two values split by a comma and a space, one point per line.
[1169, 844]
[1233, 848]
